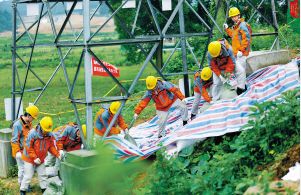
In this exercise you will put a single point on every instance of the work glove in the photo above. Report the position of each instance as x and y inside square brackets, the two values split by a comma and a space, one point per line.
[225, 26]
[222, 79]
[18, 155]
[135, 116]
[37, 161]
[62, 153]
[126, 131]
[239, 54]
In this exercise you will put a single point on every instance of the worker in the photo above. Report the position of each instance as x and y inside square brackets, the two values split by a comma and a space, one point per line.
[165, 95]
[202, 82]
[103, 118]
[241, 36]
[21, 128]
[40, 140]
[67, 139]
[223, 64]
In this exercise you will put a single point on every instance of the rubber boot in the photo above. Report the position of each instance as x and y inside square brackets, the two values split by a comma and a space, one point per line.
[240, 91]
[22, 192]
[192, 116]
[184, 123]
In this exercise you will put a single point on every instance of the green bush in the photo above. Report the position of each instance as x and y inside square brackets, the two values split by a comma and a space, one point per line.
[229, 164]
[13, 171]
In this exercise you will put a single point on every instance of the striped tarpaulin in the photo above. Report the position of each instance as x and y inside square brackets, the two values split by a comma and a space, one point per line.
[223, 117]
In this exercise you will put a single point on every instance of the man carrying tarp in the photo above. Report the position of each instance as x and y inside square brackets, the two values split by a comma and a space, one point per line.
[202, 83]
[21, 128]
[240, 33]
[40, 140]
[222, 62]
[104, 117]
[67, 139]
[165, 95]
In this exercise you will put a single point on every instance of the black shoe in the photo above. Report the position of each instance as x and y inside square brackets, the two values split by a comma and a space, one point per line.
[192, 116]
[184, 123]
[43, 190]
[240, 91]
[22, 192]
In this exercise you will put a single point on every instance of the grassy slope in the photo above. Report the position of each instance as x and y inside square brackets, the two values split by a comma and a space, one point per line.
[55, 98]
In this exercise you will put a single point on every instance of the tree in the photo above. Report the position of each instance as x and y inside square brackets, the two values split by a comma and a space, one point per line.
[5, 21]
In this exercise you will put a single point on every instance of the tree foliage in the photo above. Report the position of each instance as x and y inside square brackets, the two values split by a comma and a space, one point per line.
[5, 21]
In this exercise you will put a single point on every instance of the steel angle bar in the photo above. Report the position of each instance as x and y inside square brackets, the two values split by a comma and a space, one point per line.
[193, 55]
[211, 31]
[171, 54]
[14, 67]
[23, 24]
[138, 45]
[251, 17]
[136, 17]
[178, 73]
[108, 72]
[29, 90]
[65, 22]
[26, 65]
[154, 17]
[76, 73]
[197, 15]
[273, 45]
[69, 22]
[251, 4]
[186, 35]
[209, 15]
[18, 77]
[30, 57]
[172, 16]
[32, 25]
[97, 100]
[113, 14]
[148, 58]
[264, 34]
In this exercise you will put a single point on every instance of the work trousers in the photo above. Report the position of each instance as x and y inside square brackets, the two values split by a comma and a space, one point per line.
[163, 116]
[240, 74]
[196, 101]
[28, 174]
[20, 164]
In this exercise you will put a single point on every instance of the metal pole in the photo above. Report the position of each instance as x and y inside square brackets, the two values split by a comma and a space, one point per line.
[183, 45]
[88, 71]
[275, 23]
[14, 29]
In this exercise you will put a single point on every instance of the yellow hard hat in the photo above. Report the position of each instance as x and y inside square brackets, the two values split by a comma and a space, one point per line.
[46, 124]
[206, 74]
[33, 111]
[84, 128]
[233, 11]
[114, 107]
[151, 82]
[214, 48]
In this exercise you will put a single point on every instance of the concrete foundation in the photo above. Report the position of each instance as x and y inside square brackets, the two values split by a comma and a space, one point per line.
[260, 59]
[74, 168]
[6, 159]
